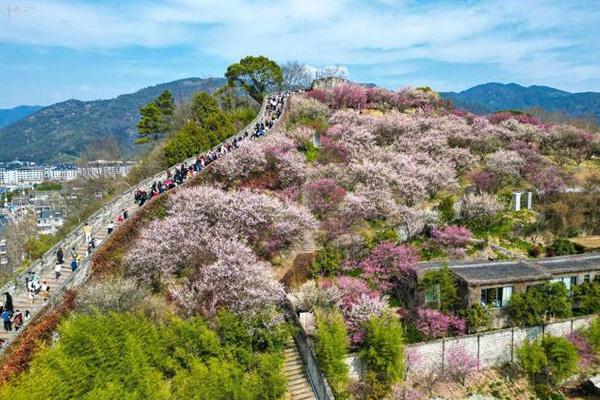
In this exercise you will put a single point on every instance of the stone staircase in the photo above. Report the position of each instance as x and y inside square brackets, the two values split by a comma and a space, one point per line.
[21, 301]
[309, 245]
[299, 386]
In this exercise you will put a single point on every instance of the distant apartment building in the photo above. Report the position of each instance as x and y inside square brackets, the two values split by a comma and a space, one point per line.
[11, 175]
[49, 221]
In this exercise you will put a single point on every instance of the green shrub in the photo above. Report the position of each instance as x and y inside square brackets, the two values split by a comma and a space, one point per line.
[47, 186]
[548, 361]
[477, 316]
[381, 232]
[209, 127]
[560, 247]
[446, 209]
[440, 290]
[189, 140]
[329, 260]
[241, 116]
[311, 152]
[593, 335]
[586, 298]
[382, 352]
[539, 304]
[332, 348]
[129, 356]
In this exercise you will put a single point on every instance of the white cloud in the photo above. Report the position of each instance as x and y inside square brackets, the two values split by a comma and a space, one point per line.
[519, 36]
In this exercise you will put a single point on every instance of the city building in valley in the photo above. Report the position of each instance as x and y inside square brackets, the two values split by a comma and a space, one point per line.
[49, 221]
[15, 174]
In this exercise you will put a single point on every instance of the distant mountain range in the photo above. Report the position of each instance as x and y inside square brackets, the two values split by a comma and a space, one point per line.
[492, 97]
[60, 132]
[8, 116]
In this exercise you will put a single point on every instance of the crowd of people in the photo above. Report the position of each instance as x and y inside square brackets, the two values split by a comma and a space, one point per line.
[273, 110]
[11, 318]
[14, 319]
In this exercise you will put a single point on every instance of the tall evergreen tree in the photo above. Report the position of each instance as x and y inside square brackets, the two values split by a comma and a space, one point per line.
[156, 118]
[152, 123]
[166, 104]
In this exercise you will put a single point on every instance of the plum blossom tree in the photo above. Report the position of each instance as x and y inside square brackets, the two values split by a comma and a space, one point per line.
[388, 265]
[565, 142]
[357, 303]
[505, 163]
[484, 181]
[349, 96]
[332, 151]
[276, 156]
[451, 236]
[479, 206]
[236, 281]
[306, 107]
[324, 196]
[196, 216]
[360, 311]
[548, 180]
[434, 324]
[460, 364]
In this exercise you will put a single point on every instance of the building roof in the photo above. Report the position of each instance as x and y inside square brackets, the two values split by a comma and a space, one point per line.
[491, 272]
[50, 214]
[477, 273]
[567, 264]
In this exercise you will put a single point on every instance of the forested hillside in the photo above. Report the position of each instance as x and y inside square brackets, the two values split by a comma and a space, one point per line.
[492, 97]
[61, 131]
[10, 115]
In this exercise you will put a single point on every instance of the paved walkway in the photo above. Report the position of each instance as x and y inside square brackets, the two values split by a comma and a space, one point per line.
[44, 268]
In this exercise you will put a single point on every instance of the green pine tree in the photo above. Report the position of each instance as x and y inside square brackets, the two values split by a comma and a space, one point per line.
[152, 124]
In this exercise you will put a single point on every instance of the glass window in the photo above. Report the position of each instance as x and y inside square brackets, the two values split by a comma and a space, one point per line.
[568, 281]
[433, 297]
[586, 278]
[496, 297]
[574, 281]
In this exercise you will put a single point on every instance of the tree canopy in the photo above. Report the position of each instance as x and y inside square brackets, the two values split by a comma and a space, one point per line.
[208, 127]
[256, 75]
[155, 118]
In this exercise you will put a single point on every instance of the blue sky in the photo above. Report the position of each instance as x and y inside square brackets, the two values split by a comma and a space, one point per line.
[53, 50]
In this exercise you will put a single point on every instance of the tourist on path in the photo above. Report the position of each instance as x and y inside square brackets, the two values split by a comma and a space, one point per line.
[17, 320]
[60, 256]
[45, 293]
[6, 319]
[111, 227]
[8, 305]
[57, 270]
[74, 265]
[87, 229]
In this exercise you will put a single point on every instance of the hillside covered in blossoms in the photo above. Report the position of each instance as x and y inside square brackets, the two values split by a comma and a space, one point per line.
[332, 214]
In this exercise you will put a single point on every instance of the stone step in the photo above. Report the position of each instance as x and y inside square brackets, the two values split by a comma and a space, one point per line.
[304, 393]
[299, 386]
[294, 369]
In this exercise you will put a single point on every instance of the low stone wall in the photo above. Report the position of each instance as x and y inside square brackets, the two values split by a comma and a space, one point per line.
[492, 348]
